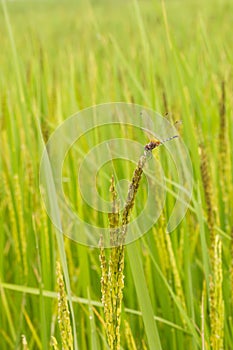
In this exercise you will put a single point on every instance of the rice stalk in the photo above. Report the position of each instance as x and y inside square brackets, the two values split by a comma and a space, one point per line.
[53, 343]
[112, 279]
[144, 347]
[12, 219]
[203, 312]
[216, 300]
[176, 275]
[46, 256]
[215, 279]
[133, 188]
[21, 226]
[165, 103]
[208, 192]
[129, 337]
[24, 342]
[224, 157]
[63, 312]
[160, 240]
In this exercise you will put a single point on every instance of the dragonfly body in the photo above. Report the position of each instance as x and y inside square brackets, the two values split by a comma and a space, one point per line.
[153, 144]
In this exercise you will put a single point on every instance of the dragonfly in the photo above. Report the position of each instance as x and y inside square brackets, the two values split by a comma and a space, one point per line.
[153, 143]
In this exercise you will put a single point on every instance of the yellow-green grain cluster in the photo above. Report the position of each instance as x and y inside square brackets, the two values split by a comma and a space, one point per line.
[133, 188]
[112, 280]
[112, 284]
[216, 302]
[216, 299]
[63, 312]
[114, 217]
[209, 199]
[53, 343]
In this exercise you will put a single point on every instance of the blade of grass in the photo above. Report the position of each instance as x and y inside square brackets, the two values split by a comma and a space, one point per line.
[7, 312]
[32, 329]
[84, 301]
[47, 173]
[143, 297]
[204, 248]
[94, 339]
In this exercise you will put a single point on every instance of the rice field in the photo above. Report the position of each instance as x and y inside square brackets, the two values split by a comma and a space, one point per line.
[159, 291]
